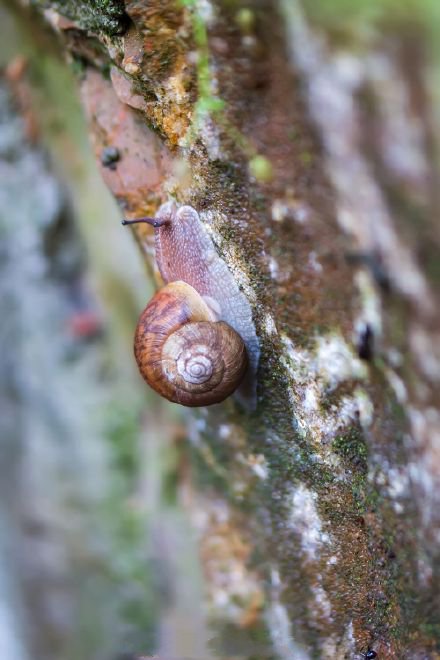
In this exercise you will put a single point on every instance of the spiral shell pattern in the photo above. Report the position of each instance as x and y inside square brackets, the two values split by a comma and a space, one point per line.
[184, 353]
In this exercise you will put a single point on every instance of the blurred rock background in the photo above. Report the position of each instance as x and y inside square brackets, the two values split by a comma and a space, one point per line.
[87, 540]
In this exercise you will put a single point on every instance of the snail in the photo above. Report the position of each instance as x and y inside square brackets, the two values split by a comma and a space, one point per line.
[195, 342]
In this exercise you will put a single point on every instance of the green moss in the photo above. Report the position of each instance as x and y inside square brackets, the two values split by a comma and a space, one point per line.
[252, 643]
[210, 467]
[431, 629]
[351, 446]
[245, 19]
[207, 101]
[122, 432]
[126, 567]
[261, 168]
[306, 158]
[107, 16]
[357, 21]
[432, 267]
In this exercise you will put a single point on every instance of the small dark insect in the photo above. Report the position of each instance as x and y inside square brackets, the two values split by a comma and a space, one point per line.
[109, 157]
[366, 343]
[369, 654]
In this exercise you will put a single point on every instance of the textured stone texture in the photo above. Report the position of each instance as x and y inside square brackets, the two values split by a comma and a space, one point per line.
[307, 145]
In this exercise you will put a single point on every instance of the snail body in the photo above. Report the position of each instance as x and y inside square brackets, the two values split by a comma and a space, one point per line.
[195, 342]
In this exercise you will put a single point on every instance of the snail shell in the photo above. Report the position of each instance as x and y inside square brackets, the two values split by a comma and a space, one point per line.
[183, 352]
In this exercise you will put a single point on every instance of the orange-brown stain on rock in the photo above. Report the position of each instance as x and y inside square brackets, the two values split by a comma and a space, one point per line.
[144, 161]
[157, 56]
[225, 554]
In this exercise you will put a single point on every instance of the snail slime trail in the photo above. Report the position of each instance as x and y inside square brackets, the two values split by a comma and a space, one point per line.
[195, 342]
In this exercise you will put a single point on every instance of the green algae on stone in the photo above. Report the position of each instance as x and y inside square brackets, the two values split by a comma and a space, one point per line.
[351, 446]
[107, 16]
